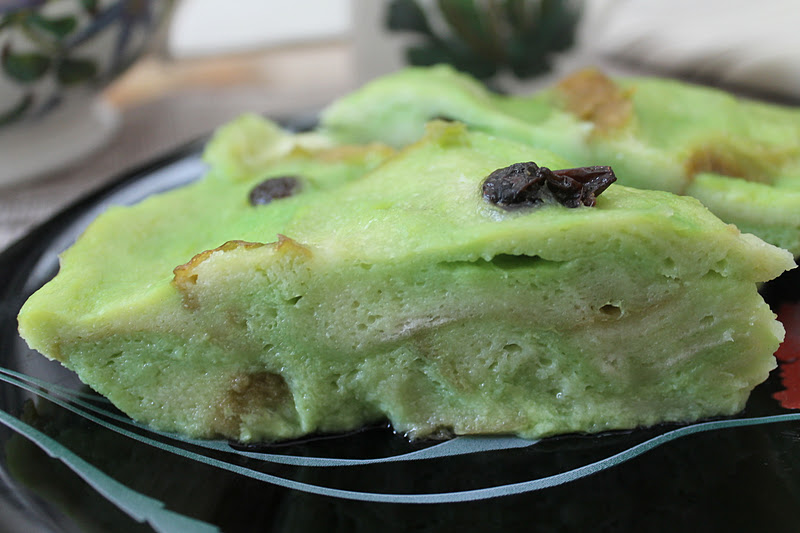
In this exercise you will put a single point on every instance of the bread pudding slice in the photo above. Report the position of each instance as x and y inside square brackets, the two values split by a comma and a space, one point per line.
[740, 158]
[303, 287]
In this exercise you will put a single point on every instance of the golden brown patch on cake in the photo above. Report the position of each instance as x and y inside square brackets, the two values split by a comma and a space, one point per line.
[289, 246]
[755, 165]
[250, 393]
[355, 152]
[185, 277]
[592, 96]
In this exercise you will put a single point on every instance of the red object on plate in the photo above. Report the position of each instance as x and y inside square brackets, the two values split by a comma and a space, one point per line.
[788, 356]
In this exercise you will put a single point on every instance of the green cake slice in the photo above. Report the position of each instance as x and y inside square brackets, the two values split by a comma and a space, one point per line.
[740, 158]
[306, 287]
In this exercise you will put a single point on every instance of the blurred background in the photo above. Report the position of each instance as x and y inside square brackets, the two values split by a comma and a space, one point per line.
[164, 73]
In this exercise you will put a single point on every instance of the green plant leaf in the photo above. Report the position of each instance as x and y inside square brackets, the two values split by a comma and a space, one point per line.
[9, 116]
[6, 21]
[24, 67]
[90, 6]
[559, 20]
[469, 25]
[550, 28]
[427, 55]
[74, 71]
[516, 12]
[406, 15]
[58, 27]
[487, 35]
[453, 53]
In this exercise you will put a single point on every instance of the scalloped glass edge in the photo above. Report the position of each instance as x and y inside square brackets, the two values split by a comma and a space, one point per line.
[131, 502]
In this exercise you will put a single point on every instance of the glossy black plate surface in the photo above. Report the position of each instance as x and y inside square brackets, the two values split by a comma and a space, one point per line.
[740, 474]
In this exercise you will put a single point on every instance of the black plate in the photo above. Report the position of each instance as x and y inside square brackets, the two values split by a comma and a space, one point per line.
[739, 474]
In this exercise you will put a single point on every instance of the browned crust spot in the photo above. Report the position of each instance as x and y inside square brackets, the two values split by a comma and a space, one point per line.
[354, 153]
[592, 96]
[185, 277]
[729, 161]
[250, 393]
[287, 245]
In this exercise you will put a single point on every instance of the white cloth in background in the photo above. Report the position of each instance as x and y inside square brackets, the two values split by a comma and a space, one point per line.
[747, 44]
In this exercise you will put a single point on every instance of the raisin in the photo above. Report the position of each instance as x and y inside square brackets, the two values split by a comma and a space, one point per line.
[274, 189]
[529, 185]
